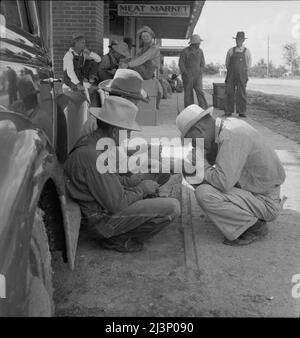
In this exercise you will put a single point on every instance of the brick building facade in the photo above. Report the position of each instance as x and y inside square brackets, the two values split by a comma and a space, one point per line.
[70, 17]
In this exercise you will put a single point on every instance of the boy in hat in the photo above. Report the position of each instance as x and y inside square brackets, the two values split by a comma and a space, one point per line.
[116, 208]
[191, 64]
[238, 62]
[242, 175]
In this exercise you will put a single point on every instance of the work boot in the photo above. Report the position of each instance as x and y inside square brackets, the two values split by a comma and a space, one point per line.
[129, 245]
[242, 115]
[254, 233]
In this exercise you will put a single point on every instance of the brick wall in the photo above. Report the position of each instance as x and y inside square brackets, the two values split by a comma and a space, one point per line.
[76, 16]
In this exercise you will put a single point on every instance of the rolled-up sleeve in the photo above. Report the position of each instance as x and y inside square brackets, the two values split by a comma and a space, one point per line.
[95, 57]
[151, 54]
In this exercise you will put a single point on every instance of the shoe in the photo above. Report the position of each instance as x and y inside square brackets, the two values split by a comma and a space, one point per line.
[254, 233]
[242, 115]
[244, 239]
[259, 228]
[129, 245]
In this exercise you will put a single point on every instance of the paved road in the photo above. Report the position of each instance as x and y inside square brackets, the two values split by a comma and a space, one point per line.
[269, 86]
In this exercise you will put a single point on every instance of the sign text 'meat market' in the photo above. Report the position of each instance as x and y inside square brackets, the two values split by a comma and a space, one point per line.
[181, 11]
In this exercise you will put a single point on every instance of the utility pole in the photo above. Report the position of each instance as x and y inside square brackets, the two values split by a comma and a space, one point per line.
[268, 56]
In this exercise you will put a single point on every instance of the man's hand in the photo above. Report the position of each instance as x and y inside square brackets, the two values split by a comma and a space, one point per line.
[80, 87]
[149, 187]
[123, 65]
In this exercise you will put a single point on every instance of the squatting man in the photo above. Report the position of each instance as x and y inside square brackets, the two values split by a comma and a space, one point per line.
[242, 175]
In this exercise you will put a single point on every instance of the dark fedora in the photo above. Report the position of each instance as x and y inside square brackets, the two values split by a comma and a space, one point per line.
[240, 35]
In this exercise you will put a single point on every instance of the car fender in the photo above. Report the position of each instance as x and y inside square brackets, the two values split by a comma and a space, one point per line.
[27, 163]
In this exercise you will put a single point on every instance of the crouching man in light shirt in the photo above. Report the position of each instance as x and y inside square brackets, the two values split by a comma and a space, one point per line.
[242, 175]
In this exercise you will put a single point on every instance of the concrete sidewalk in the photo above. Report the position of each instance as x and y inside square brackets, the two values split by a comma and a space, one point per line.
[242, 281]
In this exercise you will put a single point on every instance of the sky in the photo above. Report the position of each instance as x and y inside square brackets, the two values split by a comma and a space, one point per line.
[220, 20]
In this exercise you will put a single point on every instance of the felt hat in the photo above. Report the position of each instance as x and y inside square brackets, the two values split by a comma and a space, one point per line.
[77, 36]
[240, 35]
[121, 48]
[126, 82]
[189, 117]
[195, 39]
[118, 112]
[146, 29]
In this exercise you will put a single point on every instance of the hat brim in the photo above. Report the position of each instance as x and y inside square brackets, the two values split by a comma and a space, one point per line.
[195, 43]
[135, 126]
[195, 120]
[106, 86]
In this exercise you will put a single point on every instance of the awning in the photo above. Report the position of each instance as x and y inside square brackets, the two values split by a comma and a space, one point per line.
[168, 19]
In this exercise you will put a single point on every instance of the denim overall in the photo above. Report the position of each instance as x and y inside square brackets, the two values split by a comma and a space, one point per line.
[236, 81]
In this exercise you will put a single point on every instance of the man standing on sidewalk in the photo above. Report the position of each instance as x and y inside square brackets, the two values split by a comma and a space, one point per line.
[191, 64]
[238, 62]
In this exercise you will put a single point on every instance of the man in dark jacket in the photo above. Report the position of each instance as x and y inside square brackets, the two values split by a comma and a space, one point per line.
[191, 64]
[115, 207]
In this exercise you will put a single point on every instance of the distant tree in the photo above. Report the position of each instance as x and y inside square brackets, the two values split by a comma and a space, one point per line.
[291, 57]
[211, 68]
[259, 70]
[173, 67]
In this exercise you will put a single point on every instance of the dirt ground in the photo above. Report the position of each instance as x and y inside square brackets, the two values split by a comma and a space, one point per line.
[107, 283]
[156, 282]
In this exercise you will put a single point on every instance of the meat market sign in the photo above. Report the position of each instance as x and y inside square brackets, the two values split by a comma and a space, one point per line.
[179, 11]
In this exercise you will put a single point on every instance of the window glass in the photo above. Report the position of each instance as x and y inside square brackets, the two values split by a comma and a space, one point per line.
[15, 14]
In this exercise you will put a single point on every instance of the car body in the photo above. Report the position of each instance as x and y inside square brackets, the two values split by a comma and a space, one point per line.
[34, 145]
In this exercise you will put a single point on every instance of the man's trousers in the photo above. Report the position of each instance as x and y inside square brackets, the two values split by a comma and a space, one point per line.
[191, 83]
[236, 91]
[236, 211]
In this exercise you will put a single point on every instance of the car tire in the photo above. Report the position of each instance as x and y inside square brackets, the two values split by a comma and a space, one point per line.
[39, 274]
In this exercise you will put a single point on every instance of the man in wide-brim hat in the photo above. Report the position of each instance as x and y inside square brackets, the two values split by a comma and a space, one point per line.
[126, 83]
[242, 175]
[110, 62]
[238, 62]
[115, 207]
[191, 64]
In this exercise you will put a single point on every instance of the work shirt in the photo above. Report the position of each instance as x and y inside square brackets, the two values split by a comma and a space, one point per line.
[239, 50]
[191, 61]
[68, 64]
[150, 52]
[244, 158]
[97, 193]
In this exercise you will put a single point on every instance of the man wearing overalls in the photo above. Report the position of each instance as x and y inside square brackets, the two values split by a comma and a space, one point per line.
[238, 61]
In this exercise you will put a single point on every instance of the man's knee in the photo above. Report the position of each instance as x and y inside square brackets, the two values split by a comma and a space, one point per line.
[206, 195]
[172, 207]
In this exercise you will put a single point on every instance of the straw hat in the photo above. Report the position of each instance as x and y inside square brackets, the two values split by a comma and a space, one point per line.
[121, 48]
[118, 112]
[126, 82]
[195, 39]
[189, 117]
